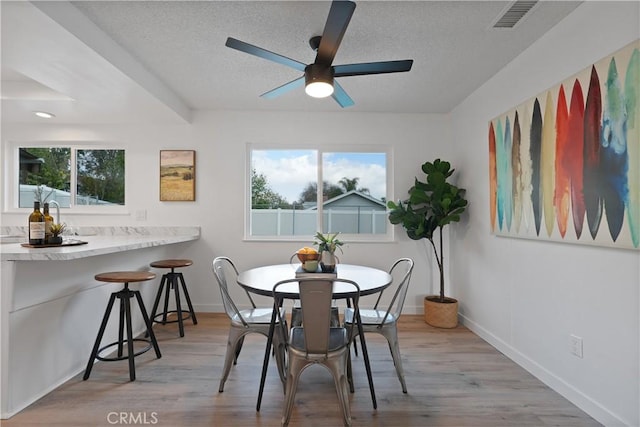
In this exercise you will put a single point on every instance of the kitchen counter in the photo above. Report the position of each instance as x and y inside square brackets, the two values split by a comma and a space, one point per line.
[51, 305]
[100, 241]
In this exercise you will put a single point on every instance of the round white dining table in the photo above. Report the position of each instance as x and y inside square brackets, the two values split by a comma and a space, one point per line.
[261, 280]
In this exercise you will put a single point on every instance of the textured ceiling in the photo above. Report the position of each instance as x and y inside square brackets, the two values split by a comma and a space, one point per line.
[175, 49]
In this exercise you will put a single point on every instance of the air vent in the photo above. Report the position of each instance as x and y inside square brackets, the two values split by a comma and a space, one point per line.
[513, 13]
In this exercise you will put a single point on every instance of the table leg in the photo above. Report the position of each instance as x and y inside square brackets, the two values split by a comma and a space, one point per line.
[365, 355]
[267, 354]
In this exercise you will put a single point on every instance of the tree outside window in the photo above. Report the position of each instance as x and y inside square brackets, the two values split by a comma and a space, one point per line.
[98, 178]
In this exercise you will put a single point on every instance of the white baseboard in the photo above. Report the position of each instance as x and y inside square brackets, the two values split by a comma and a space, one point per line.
[575, 396]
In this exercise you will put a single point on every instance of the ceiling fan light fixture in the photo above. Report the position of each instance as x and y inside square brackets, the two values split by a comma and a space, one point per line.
[318, 80]
[319, 89]
[318, 76]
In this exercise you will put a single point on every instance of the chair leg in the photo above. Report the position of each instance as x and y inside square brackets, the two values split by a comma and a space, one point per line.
[391, 335]
[280, 351]
[168, 282]
[149, 324]
[176, 290]
[130, 352]
[96, 345]
[238, 350]
[338, 370]
[293, 375]
[355, 345]
[167, 288]
[188, 298]
[235, 335]
[121, 324]
[350, 373]
[154, 311]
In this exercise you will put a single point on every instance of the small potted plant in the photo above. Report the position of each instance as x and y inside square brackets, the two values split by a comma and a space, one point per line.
[327, 245]
[56, 231]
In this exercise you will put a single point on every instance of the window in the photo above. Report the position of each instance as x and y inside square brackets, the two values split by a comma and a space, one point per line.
[286, 184]
[71, 176]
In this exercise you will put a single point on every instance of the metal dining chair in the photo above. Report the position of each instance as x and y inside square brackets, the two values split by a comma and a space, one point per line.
[243, 322]
[316, 341]
[385, 321]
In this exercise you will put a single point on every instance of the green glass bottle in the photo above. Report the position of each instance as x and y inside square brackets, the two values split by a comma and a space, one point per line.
[48, 220]
[36, 226]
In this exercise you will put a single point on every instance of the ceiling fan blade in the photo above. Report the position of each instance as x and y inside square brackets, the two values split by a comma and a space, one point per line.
[337, 22]
[263, 53]
[341, 96]
[372, 68]
[293, 84]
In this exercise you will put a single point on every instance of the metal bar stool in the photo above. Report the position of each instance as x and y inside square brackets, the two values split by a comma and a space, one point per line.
[170, 280]
[124, 296]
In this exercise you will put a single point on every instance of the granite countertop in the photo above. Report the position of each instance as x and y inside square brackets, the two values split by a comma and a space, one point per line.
[100, 241]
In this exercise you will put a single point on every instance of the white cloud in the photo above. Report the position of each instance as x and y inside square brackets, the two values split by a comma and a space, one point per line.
[369, 176]
[288, 173]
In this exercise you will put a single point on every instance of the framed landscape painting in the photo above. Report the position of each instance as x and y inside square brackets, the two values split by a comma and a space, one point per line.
[565, 165]
[177, 175]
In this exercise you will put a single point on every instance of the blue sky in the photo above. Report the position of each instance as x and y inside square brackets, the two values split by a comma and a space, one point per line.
[289, 171]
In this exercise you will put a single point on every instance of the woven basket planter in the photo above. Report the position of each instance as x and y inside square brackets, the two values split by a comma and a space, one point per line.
[441, 314]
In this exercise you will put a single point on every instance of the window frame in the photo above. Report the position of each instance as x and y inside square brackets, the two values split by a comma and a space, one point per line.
[320, 150]
[12, 166]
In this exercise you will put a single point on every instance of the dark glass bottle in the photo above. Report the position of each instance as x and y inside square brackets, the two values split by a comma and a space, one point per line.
[36, 226]
[48, 220]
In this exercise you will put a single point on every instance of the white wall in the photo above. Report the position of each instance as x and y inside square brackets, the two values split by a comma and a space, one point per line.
[220, 139]
[526, 297]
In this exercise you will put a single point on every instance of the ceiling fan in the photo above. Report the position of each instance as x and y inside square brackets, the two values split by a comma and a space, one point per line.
[318, 77]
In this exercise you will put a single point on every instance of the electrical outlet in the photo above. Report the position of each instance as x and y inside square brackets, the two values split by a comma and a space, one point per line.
[141, 215]
[575, 345]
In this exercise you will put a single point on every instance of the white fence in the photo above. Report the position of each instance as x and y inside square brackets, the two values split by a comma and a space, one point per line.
[27, 197]
[291, 222]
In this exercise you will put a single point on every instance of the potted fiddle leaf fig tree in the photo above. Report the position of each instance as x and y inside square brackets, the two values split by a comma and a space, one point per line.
[432, 205]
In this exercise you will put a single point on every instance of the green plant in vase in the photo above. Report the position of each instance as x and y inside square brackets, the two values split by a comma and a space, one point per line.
[38, 194]
[327, 245]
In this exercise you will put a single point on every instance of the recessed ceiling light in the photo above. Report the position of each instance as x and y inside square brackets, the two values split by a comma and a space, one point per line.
[44, 114]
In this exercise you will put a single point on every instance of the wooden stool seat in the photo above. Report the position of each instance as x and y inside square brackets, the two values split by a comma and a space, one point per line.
[173, 280]
[125, 276]
[171, 263]
[124, 295]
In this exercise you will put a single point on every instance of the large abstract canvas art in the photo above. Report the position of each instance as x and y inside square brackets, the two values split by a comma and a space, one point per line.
[565, 165]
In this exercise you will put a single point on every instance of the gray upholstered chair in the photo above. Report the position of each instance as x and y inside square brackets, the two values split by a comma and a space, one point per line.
[385, 320]
[243, 322]
[316, 341]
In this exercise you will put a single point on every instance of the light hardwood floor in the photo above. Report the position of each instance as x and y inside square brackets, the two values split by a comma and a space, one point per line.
[453, 378]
